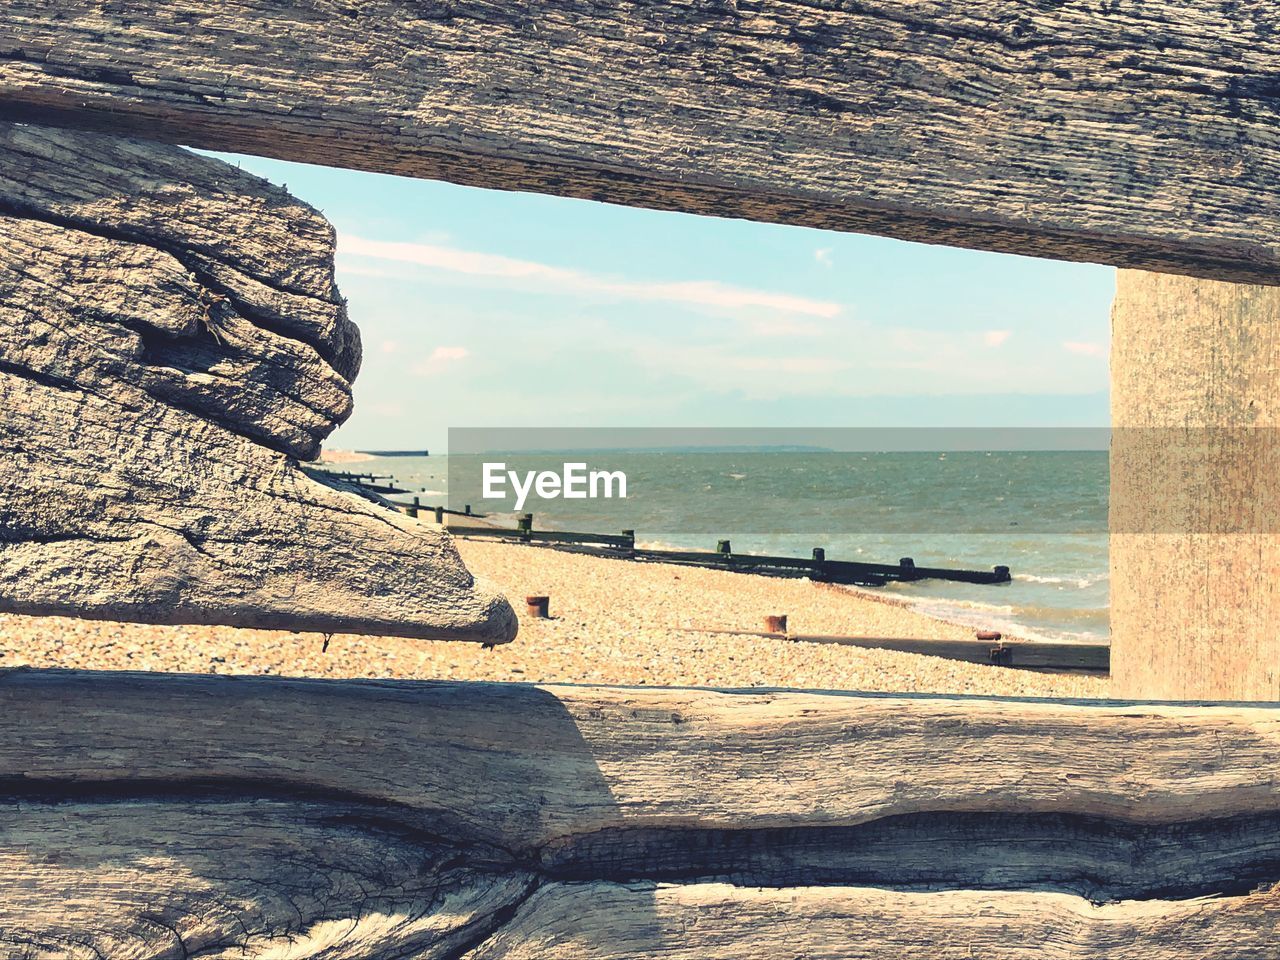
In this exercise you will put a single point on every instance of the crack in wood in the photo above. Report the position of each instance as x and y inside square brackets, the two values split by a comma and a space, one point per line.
[1096, 858]
[1099, 859]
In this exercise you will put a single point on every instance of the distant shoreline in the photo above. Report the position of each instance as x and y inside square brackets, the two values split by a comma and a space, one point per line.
[344, 456]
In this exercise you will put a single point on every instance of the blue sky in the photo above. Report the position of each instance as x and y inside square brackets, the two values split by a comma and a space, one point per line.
[485, 308]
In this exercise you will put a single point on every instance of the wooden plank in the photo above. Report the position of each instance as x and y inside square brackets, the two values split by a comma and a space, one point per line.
[1094, 657]
[171, 340]
[381, 488]
[1137, 135]
[1195, 489]
[160, 816]
[1032, 655]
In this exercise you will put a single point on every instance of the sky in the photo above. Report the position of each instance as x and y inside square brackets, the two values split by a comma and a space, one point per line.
[484, 308]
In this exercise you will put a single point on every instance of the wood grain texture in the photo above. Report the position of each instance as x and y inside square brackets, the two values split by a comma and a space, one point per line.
[170, 341]
[157, 816]
[1195, 489]
[1142, 135]
[689, 922]
[231, 878]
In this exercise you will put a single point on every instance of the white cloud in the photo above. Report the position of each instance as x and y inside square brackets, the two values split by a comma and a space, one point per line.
[797, 365]
[823, 256]
[389, 346]
[993, 338]
[440, 358]
[1083, 348]
[450, 353]
[785, 327]
[559, 280]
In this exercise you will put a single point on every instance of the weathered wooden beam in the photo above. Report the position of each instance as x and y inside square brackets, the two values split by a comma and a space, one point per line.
[1142, 135]
[1195, 489]
[171, 339]
[147, 816]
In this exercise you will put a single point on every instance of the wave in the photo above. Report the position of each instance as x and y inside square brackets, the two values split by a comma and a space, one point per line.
[1081, 582]
[1030, 621]
[1004, 609]
[658, 545]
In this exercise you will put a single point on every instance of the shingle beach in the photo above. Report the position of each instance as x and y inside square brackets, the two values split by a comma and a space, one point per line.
[612, 621]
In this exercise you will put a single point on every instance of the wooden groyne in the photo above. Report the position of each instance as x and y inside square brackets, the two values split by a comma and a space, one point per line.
[817, 568]
[623, 545]
[380, 483]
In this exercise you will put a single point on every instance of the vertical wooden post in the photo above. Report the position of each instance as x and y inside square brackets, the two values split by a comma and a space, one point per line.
[819, 561]
[440, 515]
[1195, 489]
[413, 510]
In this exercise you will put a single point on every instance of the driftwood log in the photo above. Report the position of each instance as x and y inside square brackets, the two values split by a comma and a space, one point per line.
[1138, 134]
[149, 816]
[171, 341]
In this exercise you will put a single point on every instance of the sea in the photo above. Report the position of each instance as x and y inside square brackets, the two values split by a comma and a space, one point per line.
[1041, 513]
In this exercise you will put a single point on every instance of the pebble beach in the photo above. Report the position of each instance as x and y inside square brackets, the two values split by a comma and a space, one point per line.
[612, 622]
